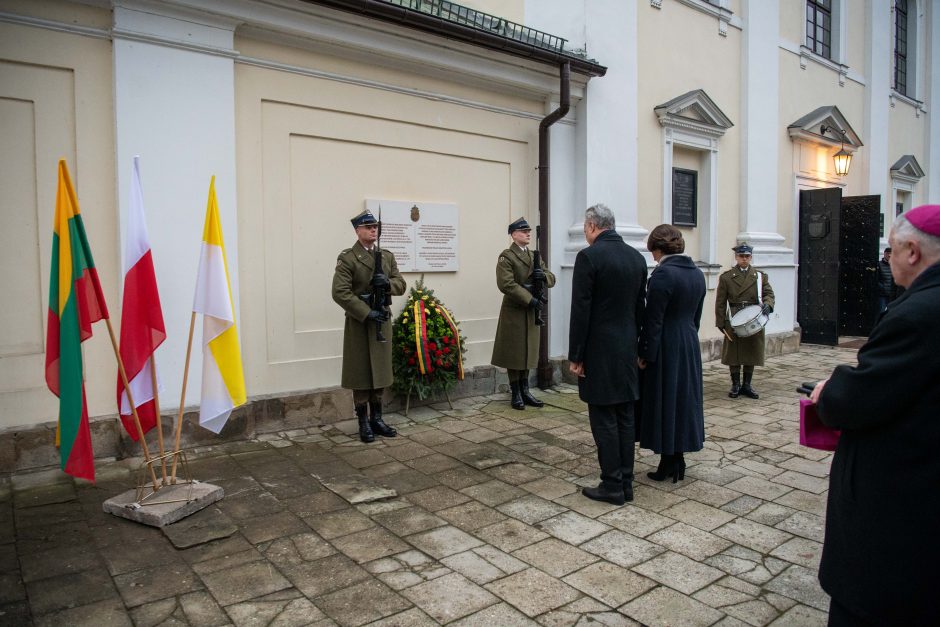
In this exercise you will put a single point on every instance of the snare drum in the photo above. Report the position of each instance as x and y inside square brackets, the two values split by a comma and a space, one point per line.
[749, 321]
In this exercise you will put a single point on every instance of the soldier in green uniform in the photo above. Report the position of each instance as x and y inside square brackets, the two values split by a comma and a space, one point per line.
[737, 289]
[367, 362]
[517, 337]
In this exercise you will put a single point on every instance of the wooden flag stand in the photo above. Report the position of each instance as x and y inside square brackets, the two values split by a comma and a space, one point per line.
[176, 500]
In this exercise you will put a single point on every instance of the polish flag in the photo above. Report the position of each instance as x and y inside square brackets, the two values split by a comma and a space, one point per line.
[142, 329]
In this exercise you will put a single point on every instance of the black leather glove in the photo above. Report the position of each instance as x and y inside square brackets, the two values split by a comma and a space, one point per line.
[538, 274]
[766, 310]
[535, 304]
[380, 280]
[376, 315]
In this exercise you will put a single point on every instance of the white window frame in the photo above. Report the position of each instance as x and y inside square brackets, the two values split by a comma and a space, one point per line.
[915, 35]
[836, 42]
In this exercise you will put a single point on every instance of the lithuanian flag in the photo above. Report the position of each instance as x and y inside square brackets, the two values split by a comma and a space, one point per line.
[75, 302]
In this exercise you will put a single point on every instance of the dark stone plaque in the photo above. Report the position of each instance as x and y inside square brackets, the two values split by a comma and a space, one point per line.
[684, 197]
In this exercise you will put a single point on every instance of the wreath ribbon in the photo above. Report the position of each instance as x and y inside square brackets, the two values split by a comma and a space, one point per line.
[421, 338]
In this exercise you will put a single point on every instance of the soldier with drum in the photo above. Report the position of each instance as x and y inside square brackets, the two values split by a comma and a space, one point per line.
[740, 288]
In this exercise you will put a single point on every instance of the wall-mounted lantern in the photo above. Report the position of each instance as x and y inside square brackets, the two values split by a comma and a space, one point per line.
[843, 158]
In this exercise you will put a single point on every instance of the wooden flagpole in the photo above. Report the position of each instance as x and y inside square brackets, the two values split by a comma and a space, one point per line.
[179, 417]
[156, 408]
[130, 399]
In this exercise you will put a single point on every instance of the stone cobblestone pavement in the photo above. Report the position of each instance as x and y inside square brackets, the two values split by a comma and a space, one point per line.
[487, 528]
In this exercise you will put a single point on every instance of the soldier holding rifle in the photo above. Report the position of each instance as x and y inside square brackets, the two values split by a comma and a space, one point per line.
[523, 279]
[363, 288]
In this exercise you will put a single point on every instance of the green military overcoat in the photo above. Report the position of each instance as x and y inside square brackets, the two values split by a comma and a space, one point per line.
[517, 338]
[736, 290]
[367, 363]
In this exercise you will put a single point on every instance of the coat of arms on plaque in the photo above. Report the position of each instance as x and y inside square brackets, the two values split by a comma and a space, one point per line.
[415, 213]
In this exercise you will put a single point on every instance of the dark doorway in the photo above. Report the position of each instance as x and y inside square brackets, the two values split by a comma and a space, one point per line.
[837, 265]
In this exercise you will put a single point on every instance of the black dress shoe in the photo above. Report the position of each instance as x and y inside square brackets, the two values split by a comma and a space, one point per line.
[599, 494]
[628, 495]
[735, 391]
[748, 391]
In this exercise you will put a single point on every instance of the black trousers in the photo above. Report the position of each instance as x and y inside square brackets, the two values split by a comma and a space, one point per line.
[613, 427]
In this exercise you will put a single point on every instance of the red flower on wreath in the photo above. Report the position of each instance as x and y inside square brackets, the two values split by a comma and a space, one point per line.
[411, 361]
[446, 350]
[432, 346]
[439, 362]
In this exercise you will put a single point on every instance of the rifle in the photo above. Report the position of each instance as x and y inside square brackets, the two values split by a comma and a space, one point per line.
[537, 286]
[380, 298]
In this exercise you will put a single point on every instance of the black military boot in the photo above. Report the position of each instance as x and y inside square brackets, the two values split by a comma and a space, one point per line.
[517, 402]
[378, 425]
[746, 389]
[365, 431]
[735, 390]
[527, 397]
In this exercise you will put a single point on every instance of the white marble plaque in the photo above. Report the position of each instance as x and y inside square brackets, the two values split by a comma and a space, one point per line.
[423, 236]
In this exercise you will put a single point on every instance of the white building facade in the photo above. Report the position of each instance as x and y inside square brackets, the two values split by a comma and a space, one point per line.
[305, 109]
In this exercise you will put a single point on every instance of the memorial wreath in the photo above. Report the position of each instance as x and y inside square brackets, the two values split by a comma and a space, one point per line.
[428, 348]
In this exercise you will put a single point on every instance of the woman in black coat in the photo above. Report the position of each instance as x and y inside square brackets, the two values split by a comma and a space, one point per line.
[672, 419]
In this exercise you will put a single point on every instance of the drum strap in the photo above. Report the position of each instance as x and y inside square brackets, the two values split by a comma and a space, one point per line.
[760, 297]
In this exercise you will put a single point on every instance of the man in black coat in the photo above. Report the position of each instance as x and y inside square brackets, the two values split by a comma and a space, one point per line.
[607, 302]
[881, 550]
[887, 291]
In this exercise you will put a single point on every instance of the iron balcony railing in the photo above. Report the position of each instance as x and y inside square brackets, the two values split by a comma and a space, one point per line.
[465, 16]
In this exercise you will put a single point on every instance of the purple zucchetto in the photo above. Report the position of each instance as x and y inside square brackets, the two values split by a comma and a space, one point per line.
[925, 218]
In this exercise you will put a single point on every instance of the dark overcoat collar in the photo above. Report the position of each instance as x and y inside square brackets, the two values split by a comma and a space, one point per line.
[608, 235]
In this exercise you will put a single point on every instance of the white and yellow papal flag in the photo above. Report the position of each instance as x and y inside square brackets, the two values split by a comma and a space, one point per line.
[223, 381]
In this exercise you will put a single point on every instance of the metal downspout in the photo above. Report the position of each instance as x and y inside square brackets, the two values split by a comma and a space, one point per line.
[545, 368]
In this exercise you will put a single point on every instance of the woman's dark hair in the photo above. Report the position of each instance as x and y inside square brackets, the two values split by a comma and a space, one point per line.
[667, 239]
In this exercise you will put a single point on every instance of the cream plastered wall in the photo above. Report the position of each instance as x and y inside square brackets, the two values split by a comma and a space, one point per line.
[312, 149]
[667, 71]
[907, 135]
[793, 20]
[55, 101]
[801, 92]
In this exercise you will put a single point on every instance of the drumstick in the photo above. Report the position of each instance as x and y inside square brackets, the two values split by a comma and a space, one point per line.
[727, 335]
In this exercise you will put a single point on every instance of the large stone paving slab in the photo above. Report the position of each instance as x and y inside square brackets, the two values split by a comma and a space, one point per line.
[244, 582]
[664, 606]
[444, 541]
[609, 583]
[622, 548]
[448, 598]
[679, 572]
[519, 590]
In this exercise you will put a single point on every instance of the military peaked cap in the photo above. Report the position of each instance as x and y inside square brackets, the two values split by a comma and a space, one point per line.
[519, 225]
[743, 249]
[364, 218]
